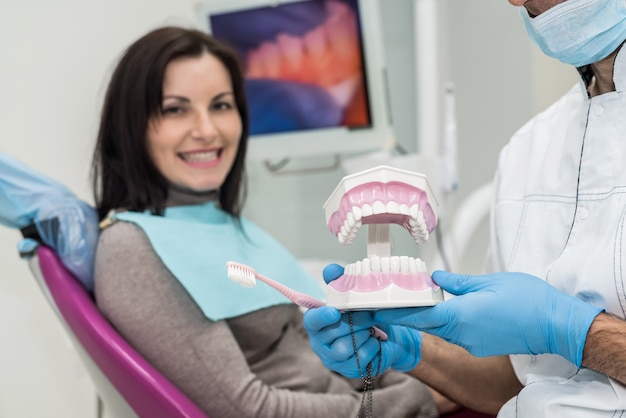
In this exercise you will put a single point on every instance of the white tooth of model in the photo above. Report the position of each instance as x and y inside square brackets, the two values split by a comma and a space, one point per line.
[375, 264]
[404, 264]
[379, 207]
[351, 221]
[385, 265]
[393, 207]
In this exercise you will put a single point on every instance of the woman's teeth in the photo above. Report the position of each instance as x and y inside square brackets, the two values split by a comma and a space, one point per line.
[200, 157]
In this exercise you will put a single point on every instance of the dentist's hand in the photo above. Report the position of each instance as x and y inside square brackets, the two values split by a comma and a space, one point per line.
[331, 339]
[503, 313]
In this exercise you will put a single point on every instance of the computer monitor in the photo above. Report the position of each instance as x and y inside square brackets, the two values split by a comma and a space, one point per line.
[315, 73]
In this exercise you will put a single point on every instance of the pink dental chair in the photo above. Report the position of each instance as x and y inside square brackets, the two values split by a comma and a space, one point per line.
[127, 385]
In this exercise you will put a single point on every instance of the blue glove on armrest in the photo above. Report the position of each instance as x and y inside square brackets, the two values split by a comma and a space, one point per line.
[70, 227]
[502, 313]
[331, 339]
[74, 236]
[62, 221]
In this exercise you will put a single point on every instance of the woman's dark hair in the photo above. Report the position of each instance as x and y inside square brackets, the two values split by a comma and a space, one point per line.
[124, 175]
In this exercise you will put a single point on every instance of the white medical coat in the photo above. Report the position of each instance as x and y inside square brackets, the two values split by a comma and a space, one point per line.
[559, 213]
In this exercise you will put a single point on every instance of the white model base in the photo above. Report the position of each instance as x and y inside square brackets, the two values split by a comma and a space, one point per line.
[390, 297]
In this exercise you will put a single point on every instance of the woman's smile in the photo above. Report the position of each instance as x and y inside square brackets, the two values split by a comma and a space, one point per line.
[201, 159]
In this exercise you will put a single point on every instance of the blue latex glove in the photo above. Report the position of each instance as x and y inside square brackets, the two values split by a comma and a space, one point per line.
[27, 247]
[332, 272]
[28, 197]
[74, 238]
[23, 191]
[331, 339]
[73, 234]
[502, 313]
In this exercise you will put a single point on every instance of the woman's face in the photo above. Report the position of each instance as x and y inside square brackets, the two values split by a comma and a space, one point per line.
[194, 142]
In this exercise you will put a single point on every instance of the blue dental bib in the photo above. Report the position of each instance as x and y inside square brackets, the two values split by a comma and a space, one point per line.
[195, 242]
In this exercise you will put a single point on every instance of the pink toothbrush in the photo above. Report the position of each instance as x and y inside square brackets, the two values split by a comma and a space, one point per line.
[247, 277]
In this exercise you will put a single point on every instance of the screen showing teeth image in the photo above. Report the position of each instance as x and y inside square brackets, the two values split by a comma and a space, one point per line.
[303, 62]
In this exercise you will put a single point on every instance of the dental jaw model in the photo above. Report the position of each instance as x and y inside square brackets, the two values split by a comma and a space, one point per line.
[377, 198]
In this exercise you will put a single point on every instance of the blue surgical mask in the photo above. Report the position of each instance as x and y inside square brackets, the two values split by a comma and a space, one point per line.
[579, 32]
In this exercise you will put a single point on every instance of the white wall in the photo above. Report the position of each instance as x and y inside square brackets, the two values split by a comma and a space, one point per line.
[55, 58]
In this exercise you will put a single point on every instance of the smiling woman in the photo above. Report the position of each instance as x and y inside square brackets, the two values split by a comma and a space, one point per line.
[152, 103]
[169, 177]
[194, 140]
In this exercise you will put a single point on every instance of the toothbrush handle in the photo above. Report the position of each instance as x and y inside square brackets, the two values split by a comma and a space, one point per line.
[306, 301]
[293, 295]
[379, 333]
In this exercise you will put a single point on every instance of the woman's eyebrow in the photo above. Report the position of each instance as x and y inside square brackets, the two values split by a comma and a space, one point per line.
[221, 95]
[181, 98]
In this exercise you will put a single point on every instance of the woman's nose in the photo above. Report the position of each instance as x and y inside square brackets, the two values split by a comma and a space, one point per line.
[204, 128]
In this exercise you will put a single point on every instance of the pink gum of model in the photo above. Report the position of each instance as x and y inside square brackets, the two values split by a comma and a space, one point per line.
[371, 192]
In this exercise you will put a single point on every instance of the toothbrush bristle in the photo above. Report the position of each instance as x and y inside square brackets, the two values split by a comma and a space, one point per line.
[240, 274]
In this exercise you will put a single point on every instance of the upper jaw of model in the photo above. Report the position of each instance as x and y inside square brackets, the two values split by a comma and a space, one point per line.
[381, 195]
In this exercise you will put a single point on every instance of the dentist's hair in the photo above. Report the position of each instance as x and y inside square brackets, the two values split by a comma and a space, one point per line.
[123, 173]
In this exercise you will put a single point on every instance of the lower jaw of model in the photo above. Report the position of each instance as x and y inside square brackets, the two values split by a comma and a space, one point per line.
[381, 282]
[376, 198]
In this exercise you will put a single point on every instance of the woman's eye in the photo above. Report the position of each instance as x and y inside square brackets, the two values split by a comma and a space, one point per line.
[223, 106]
[172, 110]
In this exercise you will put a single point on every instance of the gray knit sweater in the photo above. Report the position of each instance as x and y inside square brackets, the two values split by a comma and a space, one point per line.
[256, 365]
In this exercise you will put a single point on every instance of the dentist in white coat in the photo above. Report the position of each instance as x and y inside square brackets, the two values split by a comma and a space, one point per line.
[551, 341]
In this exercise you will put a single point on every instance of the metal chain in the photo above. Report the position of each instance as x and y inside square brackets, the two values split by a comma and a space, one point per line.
[367, 400]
